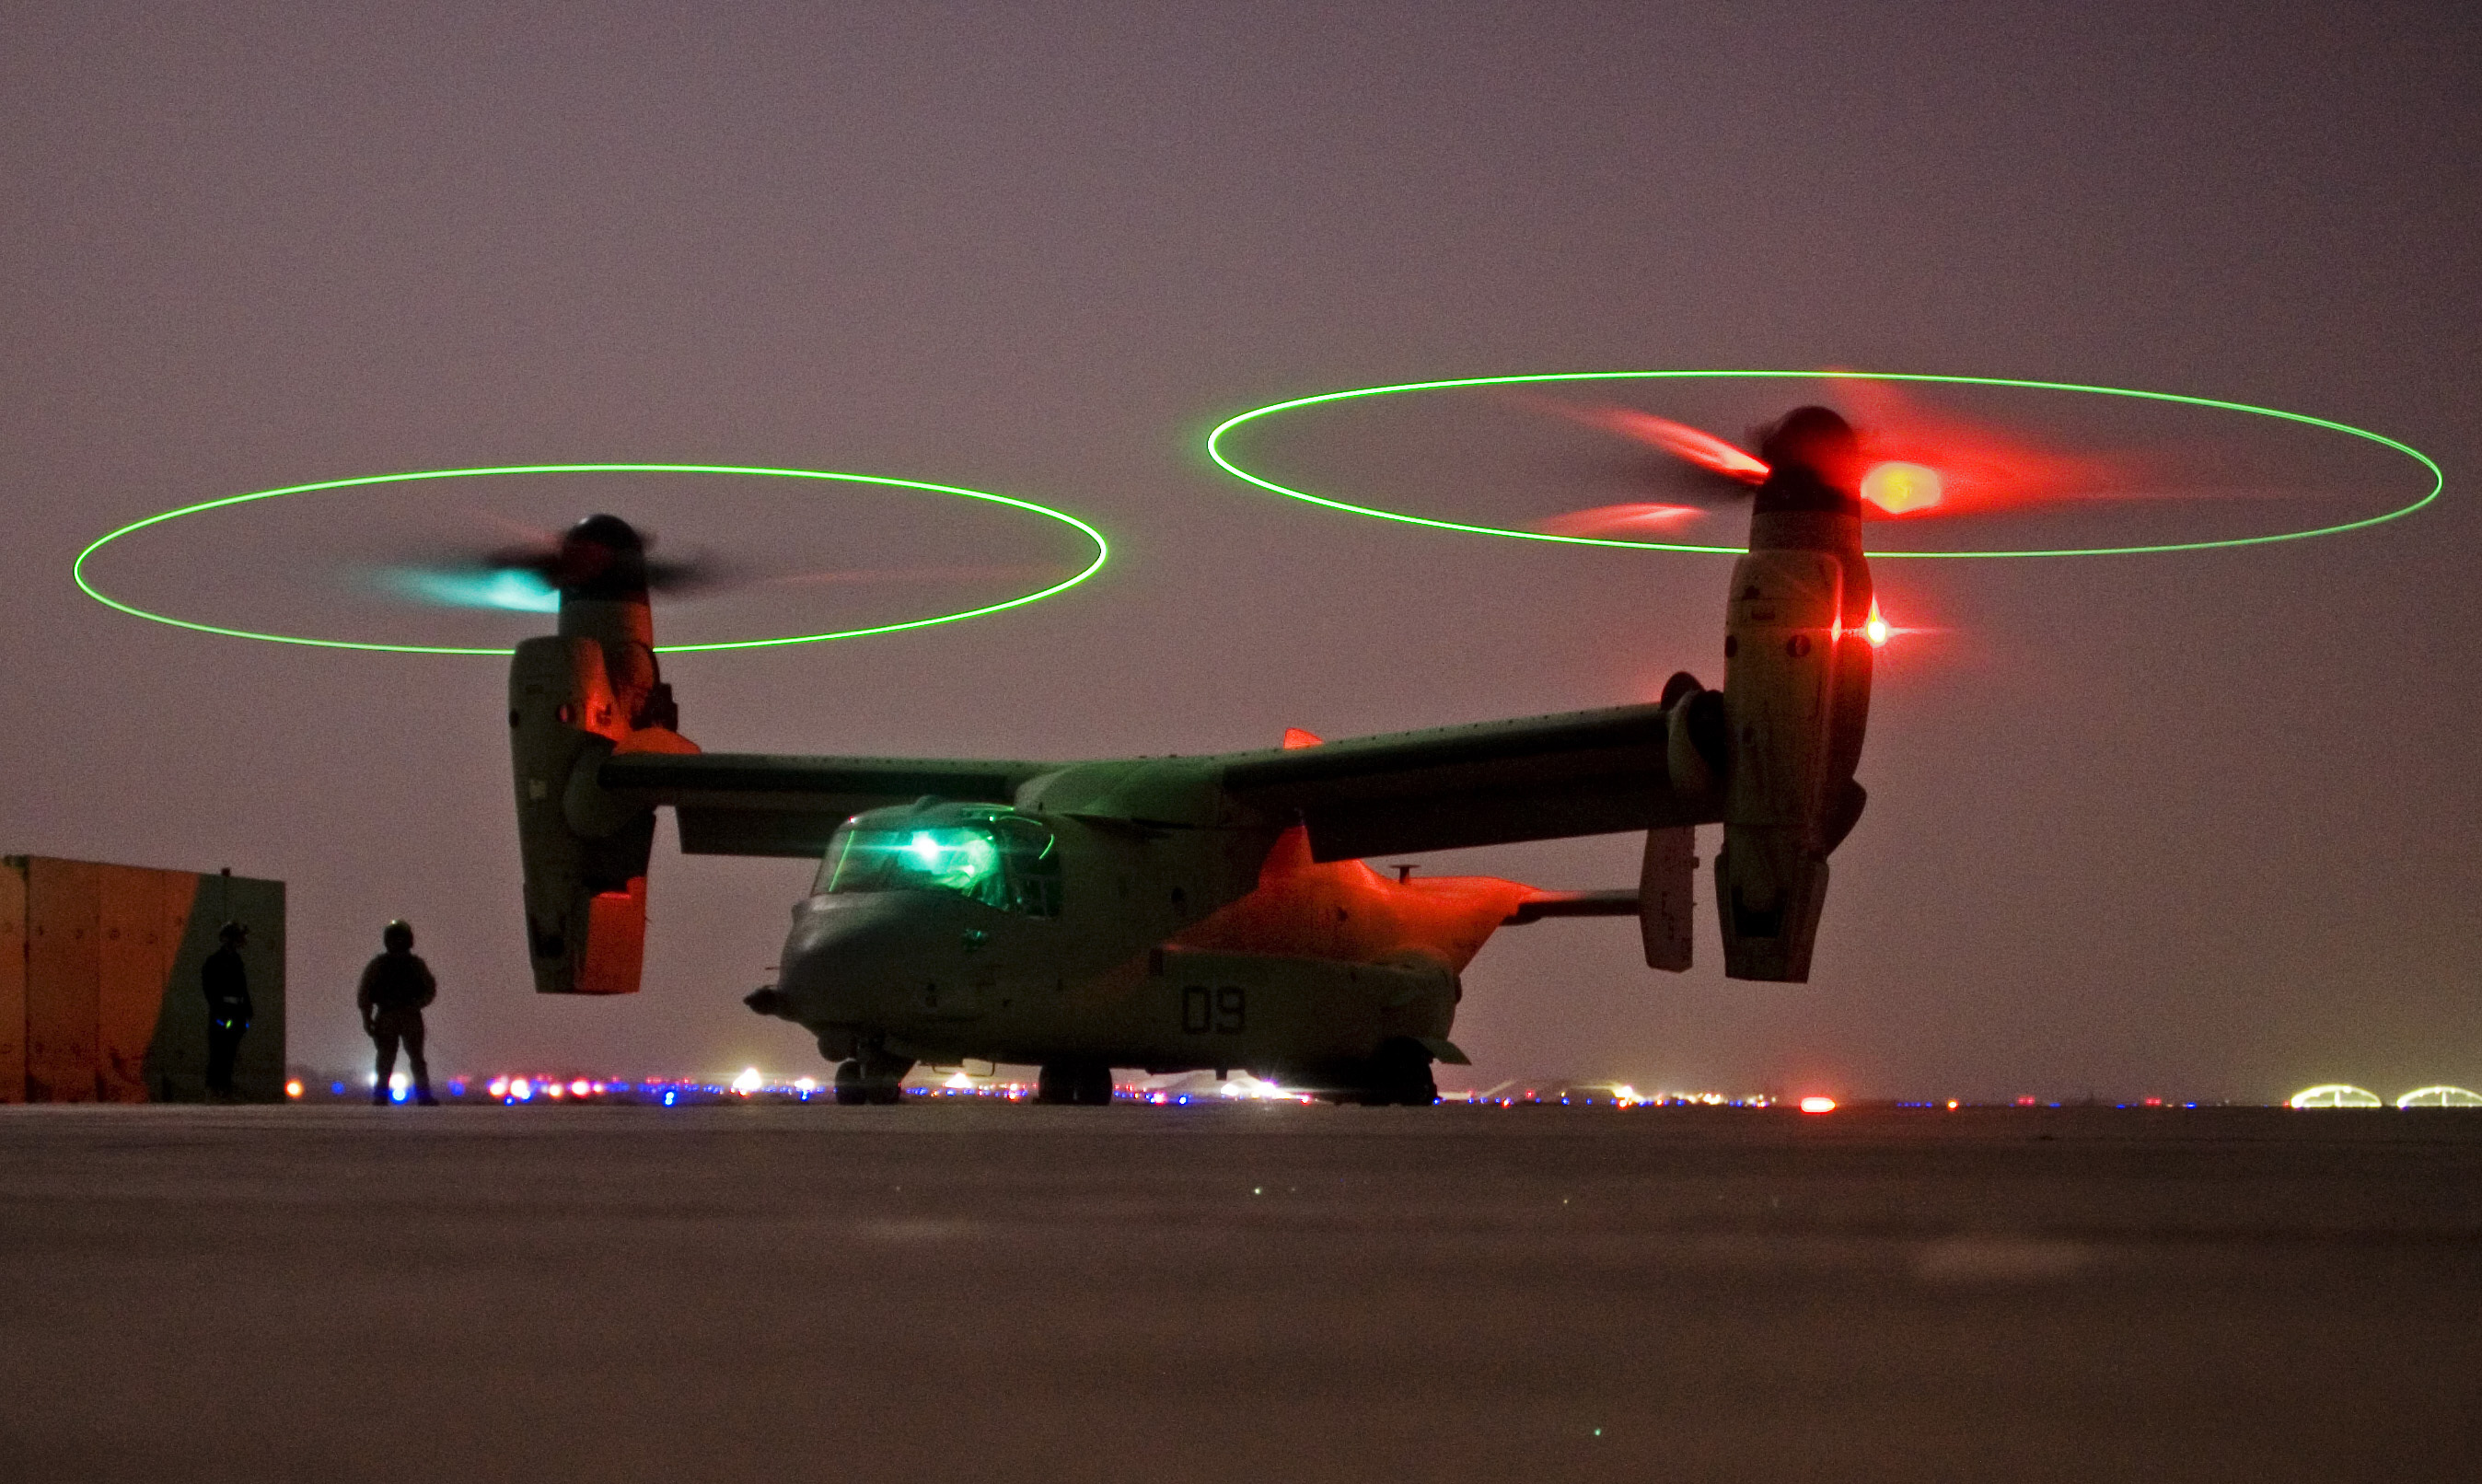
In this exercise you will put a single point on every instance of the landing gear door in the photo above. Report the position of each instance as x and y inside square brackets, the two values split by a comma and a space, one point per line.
[1665, 888]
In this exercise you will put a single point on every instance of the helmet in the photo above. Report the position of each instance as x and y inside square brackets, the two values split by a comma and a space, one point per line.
[398, 936]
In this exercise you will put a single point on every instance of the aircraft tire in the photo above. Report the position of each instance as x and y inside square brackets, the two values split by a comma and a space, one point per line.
[850, 1092]
[1084, 1084]
[1094, 1086]
[1400, 1075]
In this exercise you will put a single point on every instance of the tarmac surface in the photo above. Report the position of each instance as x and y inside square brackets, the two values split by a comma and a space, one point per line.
[1269, 1292]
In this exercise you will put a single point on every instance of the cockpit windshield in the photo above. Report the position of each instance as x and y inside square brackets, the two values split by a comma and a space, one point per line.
[994, 856]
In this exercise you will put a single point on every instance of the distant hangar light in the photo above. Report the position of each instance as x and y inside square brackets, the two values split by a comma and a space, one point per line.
[2335, 1094]
[2441, 1096]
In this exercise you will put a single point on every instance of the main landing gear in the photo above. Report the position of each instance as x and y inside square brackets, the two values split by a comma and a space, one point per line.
[1088, 1084]
[872, 1077]
[1400, 1075]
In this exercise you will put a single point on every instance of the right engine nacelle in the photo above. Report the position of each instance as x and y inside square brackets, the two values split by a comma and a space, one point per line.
[1779, 698]
[1796, 697]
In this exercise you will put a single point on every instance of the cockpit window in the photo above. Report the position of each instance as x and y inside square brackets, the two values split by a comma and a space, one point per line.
[996, 857]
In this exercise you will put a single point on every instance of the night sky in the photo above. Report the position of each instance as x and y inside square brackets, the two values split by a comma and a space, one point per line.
[2195, 826]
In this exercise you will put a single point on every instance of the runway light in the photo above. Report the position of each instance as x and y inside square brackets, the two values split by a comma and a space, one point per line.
[581, 1087]
[1951, 1104]
[668, 1096]
[336, 1089]
[497, 1087]
[521, 1090]
[1818, 1105]
[749, 1082]
[293, 1088]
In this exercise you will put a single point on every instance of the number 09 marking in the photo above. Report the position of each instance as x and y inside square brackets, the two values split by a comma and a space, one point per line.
[1224, 1012]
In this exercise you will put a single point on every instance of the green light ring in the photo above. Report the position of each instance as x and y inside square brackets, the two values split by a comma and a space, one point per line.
[1103, 552]
[1215, 451]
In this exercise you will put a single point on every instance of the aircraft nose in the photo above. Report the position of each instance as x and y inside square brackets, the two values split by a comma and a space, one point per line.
[845, 950]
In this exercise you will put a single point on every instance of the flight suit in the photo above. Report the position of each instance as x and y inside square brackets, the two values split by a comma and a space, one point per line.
[395, 987]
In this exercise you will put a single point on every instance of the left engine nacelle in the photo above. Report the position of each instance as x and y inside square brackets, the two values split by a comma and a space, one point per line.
[574, 699]
[584, 857]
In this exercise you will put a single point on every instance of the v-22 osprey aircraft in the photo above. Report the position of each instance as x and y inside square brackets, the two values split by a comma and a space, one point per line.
[1179, 914]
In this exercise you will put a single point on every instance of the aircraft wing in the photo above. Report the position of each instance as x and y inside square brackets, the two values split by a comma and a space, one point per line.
[1540, 778]
[757, 803]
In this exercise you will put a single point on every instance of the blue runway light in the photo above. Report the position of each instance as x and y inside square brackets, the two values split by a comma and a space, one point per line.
[336, 1089]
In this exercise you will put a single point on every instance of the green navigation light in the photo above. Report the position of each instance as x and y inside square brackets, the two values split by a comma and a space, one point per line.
[1215, 450]
[1103, 551]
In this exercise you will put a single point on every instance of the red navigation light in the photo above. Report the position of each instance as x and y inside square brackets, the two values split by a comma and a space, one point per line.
[1818, 1105]
[1875, 628]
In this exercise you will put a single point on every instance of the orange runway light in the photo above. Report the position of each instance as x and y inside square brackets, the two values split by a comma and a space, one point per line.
[293, 1088]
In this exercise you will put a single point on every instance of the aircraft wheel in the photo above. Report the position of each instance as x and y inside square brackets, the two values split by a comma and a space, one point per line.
[848, 1088]
[1087, 1084]
[1094, 1086]
[1401, 1074]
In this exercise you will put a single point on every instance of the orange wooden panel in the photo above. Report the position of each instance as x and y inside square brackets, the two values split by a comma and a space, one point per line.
[62, 972]
[134, 962]
[12, 982]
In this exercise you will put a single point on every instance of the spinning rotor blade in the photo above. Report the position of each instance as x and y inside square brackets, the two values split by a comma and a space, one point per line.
[528, 577]
[1914, 462]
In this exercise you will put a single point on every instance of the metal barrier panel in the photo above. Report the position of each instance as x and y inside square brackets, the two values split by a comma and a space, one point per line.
[13, 981]
[62, 907]
[139, 938]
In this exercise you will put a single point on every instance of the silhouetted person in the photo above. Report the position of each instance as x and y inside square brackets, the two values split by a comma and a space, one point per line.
[226, 986]
[395, 987]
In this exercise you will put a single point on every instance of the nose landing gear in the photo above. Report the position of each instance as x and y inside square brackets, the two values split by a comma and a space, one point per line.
[873, 1077]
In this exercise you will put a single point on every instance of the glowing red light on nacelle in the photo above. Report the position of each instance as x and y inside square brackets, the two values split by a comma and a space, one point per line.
[1875, 627]
[1900, 487]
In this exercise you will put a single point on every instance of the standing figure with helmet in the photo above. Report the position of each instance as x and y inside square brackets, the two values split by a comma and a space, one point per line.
[396, 985]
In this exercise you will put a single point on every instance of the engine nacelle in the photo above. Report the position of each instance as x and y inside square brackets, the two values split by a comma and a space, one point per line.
[1779, 690]
[574, 699]
[1796, 700]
